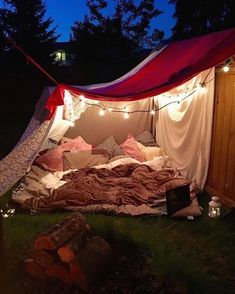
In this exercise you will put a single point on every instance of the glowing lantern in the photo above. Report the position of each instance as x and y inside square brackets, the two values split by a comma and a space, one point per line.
[214, 207]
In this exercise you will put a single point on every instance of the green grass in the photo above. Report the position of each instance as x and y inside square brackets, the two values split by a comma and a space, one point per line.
[199, 254]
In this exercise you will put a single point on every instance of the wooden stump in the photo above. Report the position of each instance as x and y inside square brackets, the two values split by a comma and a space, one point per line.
[72, 247]
[33, 268]
[90, 262]
[44, 258]
[60, 233]
[59, 270]
[65, 252]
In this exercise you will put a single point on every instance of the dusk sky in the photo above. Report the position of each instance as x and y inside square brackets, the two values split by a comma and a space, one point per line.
[65, 13]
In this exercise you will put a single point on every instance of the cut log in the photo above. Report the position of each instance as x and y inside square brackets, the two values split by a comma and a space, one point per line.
[72, 247]
[90, 262]
[78, 276]
[59, 270]
[43, 257]
[33, 268]
[60, 233]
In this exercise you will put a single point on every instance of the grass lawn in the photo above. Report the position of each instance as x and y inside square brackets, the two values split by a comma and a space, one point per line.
[198, 254]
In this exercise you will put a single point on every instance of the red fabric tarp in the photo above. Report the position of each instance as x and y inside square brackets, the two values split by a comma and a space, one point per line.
[174, 65]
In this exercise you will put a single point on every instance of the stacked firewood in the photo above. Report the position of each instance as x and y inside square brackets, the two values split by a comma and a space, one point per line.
[67, 252]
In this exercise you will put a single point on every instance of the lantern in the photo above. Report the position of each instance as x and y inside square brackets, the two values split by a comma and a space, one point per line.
[214, 207]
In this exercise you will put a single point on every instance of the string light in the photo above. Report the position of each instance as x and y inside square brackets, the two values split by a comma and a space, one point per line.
[82, 101]
[171, 99]
[202, 87]
[102, 112]
[125, 109]
[226, 68]
[126, 115]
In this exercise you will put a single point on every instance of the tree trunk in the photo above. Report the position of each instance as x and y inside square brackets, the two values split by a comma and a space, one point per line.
[59, 270]
[60, 233]
[33, 268]
[72, 247]
[90, 262]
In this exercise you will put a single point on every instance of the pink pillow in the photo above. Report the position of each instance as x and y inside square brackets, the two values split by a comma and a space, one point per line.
[131, 148]
[53, 159]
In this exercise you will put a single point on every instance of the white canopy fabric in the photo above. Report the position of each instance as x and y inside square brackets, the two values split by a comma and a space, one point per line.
[184, 130]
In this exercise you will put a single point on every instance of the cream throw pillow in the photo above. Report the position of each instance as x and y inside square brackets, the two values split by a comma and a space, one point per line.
[81, 159]
[150, 152]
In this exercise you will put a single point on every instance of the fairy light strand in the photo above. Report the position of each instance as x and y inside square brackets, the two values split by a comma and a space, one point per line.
[126, 112]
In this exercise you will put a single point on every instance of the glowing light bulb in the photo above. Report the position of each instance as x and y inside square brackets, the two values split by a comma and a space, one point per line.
[82, 101]
[82, 104]
[226, 68]
[110, 109]
[126, 115]
[152, 111]
[102, 112]
[202, 87]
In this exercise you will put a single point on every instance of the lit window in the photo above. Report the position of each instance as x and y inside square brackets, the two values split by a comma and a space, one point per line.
[60, 56]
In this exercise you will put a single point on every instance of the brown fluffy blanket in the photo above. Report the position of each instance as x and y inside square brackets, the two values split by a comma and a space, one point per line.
[124, 185]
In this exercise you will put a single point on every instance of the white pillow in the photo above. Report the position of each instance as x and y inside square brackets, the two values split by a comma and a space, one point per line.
[150, 152]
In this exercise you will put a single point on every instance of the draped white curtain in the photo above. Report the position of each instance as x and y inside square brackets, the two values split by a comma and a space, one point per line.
[184, 130]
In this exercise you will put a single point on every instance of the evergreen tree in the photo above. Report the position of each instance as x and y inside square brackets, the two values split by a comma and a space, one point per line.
[24, 22]
[110, 42]
[198, 17]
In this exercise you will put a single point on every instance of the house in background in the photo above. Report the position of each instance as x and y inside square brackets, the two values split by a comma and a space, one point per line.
[63, 53]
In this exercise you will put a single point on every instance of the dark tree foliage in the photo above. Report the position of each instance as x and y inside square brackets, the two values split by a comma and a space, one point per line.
[24, 22]
[198, 17]
[107, 44]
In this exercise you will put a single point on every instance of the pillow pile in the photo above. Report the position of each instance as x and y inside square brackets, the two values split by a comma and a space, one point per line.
[68, 154]
[52, 160]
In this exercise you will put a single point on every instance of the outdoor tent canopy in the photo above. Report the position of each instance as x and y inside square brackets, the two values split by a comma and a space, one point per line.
[163, 70]
[171, 66]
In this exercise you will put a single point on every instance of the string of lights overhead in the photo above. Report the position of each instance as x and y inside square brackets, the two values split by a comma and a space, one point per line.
[178, 98]
[174, 98]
